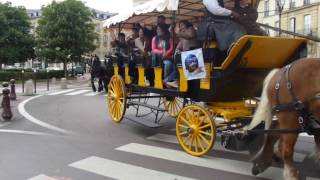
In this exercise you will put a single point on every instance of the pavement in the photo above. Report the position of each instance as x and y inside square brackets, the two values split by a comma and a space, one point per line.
[68, 134]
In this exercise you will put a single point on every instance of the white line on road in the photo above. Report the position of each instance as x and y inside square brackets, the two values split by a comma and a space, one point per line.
[119, 170]
[32, 119]
[77, 92]
[61, 92]
[93, 94]
[298, 157]
[23, 132]
[41, 177]
[226, 165]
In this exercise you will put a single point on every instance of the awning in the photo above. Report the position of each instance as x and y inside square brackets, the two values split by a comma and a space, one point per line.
[148, 10]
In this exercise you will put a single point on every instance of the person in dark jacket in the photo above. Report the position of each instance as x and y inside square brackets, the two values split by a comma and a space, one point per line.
[248, 16]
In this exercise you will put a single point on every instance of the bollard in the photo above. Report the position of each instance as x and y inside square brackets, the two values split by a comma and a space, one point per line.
[64, 83]
[7, 113]
[13, 95]
[29, 88]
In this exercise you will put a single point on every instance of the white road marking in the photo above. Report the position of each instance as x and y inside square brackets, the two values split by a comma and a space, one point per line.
[312, 178]
[32, 119]
[23, 132]
[77, 92]
[226, 165]
[93, 94]
[61, 92]
[41, 177]
[119, 170]
[298, 157]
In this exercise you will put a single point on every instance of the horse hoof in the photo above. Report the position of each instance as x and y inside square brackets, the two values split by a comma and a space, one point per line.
[258, 168]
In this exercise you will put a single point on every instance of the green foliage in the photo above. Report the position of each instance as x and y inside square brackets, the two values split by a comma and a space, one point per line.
[65, 31]
[7, 75]
[16, 42]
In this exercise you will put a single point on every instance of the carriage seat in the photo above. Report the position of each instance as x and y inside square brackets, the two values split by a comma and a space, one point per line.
[262, 52]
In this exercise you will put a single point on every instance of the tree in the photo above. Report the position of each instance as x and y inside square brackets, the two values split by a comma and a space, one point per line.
[16, 42]
[65, 32]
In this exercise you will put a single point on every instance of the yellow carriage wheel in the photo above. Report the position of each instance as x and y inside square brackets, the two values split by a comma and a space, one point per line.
[196, 130]
[116, 98]
[173, 105]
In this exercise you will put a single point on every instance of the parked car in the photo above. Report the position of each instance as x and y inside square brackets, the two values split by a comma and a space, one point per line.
[77, 70]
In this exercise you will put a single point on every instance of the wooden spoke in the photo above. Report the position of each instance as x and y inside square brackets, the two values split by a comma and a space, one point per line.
[205, 133]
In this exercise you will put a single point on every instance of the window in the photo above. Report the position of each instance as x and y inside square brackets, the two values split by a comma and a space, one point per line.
[292, 25]
[292, 4]
[306, 2]
[266, 8]
[307, 24]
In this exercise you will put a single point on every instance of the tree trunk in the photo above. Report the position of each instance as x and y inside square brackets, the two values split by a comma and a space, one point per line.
[65, 68]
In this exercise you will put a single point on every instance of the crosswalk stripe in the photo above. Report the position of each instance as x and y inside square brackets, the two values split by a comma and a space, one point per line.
[77, 92]
[226, 165]
[298, 157]
[311, 178]
[61, 92]
[93, 94]
[41, 177]
[119, 170]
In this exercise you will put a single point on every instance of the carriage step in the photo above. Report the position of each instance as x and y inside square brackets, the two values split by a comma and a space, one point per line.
[146, 105]
[143, 122]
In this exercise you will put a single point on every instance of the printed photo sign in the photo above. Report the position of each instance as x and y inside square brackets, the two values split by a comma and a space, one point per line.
[193, 64]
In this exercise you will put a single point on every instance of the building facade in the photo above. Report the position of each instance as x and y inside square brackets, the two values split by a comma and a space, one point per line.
[300, 16]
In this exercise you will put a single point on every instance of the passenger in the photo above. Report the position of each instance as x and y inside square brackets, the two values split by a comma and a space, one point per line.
[121, 51]
[187, 36]
[220, 20]
[162, 49]
[151, 31]
[143, 43]
[248, 18]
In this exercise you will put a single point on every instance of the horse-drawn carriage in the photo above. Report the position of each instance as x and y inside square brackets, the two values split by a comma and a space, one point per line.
[228, 91]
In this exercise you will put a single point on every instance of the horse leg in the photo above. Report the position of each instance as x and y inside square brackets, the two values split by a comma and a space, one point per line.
[92, 84]
[263, 159]
[100, 87]
[288, 142]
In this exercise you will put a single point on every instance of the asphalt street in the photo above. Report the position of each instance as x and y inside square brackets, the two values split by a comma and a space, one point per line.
[69, 135]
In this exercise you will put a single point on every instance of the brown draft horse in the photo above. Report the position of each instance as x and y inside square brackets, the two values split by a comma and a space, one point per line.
[304, 76]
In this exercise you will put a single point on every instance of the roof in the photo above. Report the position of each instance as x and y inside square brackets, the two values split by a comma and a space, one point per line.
[147, 12]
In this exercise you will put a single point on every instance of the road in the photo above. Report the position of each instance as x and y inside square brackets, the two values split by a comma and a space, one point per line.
[68, 135]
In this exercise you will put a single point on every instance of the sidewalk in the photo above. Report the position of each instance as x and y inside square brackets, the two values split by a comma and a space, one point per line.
[41, 87]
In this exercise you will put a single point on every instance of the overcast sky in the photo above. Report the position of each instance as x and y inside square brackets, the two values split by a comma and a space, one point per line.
[103, 5]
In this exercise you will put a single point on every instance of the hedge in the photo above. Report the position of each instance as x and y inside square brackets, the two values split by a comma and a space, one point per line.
[7, 75]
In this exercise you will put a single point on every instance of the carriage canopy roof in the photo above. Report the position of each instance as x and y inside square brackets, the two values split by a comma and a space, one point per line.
[146, 11]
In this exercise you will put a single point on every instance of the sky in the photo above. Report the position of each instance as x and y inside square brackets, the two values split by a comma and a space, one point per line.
[113, 6]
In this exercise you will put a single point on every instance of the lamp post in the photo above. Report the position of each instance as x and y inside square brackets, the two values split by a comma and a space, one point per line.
[48, 79]
[22, 78]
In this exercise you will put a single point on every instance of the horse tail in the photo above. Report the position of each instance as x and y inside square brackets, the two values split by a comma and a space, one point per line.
[263, 111]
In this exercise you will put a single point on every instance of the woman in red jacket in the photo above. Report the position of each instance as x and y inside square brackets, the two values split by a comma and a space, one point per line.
[162, 49]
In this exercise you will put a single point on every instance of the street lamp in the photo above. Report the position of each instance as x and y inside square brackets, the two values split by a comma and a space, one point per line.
[22, 78]
[48, 79]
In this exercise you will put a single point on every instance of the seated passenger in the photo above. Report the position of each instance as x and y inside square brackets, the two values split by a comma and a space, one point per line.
[143, 44]
[220, 19]
[162, 50]
[187, 41]
[248, 18]
[120, 51]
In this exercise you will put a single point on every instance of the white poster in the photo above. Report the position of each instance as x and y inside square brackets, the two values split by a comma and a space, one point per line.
[193, 64]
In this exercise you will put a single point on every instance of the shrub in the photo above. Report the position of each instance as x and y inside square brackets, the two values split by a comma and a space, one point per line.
[7, 75]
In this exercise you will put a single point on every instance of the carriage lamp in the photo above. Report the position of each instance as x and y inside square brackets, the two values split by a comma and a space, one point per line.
[250, 103]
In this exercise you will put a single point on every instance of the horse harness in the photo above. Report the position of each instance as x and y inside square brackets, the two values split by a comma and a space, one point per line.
[307, 121]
